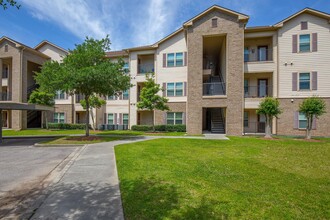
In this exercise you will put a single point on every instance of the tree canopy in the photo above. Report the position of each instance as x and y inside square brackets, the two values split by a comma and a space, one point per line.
[6, 3]
[85, 70]
[312, 107]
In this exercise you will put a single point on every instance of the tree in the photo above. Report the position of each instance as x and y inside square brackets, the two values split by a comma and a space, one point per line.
[312, 107]
[86, 71]
[6, 3]
[149, 98]
[42, 98]
[94, 102]
[270, 108]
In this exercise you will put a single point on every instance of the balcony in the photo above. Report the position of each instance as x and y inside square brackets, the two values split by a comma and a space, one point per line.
[214, 88]
[79, 98]
[146, 68]
[5, 96]
[261, 54]
[257, 91]
[254, 127]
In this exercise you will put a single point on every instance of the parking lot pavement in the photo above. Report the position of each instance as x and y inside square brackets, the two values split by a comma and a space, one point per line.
[23, 167]
[12, 142]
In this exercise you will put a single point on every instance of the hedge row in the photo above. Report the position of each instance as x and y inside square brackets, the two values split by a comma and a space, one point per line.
[169, 128]
[66, 126]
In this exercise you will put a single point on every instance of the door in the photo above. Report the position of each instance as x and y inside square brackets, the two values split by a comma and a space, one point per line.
[261, 123]
[262, 53]
[262, 87]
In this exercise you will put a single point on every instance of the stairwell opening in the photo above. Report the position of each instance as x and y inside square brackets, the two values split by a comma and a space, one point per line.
[214, 120]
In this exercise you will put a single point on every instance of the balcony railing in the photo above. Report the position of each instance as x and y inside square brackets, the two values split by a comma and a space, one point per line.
[257, 91]
[215, 88]
[146, 68]
[5, 96]
[258, 55]
[254, 127]
[79, 98]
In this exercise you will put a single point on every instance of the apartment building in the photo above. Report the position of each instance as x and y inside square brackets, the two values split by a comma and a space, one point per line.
[215, 70]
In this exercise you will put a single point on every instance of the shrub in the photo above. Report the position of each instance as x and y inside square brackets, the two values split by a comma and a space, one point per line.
[167, 128]
[66, 126]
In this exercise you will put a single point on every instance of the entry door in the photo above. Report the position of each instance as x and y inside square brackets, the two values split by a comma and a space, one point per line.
[261, 123]
[262, 87]
[262, 53]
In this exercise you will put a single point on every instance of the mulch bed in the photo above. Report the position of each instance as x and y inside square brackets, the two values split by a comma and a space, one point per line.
[84, 138]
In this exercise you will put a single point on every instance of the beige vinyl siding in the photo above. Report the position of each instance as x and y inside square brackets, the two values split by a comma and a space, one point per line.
[304, 62]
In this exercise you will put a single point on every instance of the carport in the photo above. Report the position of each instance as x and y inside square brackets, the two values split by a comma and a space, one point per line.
[20, 106]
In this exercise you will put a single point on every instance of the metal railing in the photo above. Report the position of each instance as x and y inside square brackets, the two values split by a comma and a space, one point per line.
[258, 55]
[254, 127]
[5, 96]
[257, 91]
[214, 88]
[146, 68]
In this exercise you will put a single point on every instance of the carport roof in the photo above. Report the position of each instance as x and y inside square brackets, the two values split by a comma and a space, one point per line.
[24, 106]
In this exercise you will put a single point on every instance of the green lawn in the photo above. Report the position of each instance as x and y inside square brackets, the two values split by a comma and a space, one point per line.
[243, 178]
[72, 140]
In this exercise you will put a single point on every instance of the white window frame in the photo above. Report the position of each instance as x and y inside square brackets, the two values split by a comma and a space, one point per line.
[305, 119]
[175, 119]
[58, 95]
[175, 89]
[113, 118]
[125, 119]
[310, 43]
[310, 81]
[58, 118]
[174, 59]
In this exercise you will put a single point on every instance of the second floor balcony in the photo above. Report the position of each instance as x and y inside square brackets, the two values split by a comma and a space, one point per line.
[214, 88]
[5, 96]
[260, 54]
[146, 68]
[260, 91]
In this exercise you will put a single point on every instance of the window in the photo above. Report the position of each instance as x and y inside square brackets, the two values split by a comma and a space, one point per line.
[174, 118]
[125, 119]
[174, 59]
[174, 89]
[304, 43]
[125, 95]
[59, 117]
[60, 95]
[302, 120]
[110, 119]
[304, 81]
[246, 119]
[246, 86]
[262, 53]
[126, 68]
[246, 54]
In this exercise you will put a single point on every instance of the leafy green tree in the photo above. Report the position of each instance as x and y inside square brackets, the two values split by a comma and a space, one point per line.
[312, 107]
[42, 98]
[6, 3]
[149, 98]
[270, 108]
[94, 103]
[86, 71]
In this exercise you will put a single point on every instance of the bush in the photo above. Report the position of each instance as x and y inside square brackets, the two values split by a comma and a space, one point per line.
[167, 128]
[66, 126]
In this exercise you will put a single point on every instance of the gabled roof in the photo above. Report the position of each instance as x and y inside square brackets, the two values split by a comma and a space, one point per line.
[44, 42]
[305, 10]
[168, 37]
[119, 53]
[217, 7]
[20, 45]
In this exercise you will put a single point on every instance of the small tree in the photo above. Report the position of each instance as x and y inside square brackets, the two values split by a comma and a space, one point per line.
[149, 98]
[312, 107]
[6, 3]
[86, 71]
[94, 103]
[42, 98]
[270, 108]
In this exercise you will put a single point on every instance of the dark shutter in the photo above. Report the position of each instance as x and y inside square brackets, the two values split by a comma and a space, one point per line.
[294, 81]
[164, 60]
[185, 58]
[164, 89]
[164, 118]
[314, 123]
[314, 42]
[120, 118]
[314, 80]
[294, 43]
[296, 120]
[105, 118]
[304, 25]
[115, 118]
[185, 89]
[184, 118]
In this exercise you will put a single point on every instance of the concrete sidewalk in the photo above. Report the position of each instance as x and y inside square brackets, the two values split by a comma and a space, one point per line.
[89, 188]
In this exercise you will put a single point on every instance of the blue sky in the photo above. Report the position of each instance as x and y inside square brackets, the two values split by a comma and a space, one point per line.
[128, 23]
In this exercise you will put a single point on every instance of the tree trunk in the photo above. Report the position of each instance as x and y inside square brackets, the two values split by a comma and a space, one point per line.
[87, 115]
[93, 122]
[153, 122]
[309, 127]
[268, 132]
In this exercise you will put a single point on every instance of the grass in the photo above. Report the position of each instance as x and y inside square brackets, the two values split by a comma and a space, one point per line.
[243, 178]
[80, 140]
